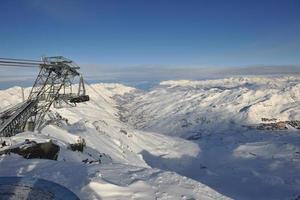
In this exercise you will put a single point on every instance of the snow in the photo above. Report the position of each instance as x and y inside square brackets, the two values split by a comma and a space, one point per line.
[180, 140]
[178, 108]
[235, 160]
[124, 152]
[16, 188]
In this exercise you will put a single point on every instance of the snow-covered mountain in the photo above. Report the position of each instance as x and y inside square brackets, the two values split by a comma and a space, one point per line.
[181, 108]
[180, 140]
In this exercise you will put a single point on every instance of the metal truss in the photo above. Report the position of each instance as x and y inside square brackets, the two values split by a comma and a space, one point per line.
[50, 87]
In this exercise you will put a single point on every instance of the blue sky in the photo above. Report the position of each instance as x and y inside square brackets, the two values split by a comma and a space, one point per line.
[194, 33]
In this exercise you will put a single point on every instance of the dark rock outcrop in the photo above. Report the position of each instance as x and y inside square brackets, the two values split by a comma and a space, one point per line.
[32, 149]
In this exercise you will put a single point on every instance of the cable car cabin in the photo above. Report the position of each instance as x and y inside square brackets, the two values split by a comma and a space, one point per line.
[80, 99]
[81, 96]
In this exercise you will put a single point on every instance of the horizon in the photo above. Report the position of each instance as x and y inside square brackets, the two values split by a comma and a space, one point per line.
[139, 77]
[126, 41]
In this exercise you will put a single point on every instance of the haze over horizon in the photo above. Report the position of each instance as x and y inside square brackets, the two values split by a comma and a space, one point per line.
[125, 39]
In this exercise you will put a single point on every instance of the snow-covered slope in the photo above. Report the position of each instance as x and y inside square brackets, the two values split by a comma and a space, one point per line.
[180, 140]
[238, 161]
[185, 108]
[124, 153]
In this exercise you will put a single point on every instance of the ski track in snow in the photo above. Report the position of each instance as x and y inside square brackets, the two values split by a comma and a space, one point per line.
[180, 140]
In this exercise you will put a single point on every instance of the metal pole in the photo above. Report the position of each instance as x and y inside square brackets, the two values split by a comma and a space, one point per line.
[23, 96]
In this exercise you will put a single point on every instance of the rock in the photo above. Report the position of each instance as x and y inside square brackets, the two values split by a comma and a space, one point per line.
[79, 146]
[123, 131]
[294, 123]
[268, 119]
[32, 149]
[272, 126]
[282, 125]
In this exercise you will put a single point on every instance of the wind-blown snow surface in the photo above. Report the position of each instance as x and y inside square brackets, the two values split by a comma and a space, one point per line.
[124, 172]
[239, 162]
[180, 140]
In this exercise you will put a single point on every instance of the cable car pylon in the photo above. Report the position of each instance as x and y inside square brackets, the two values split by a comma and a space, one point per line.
[53, 85]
